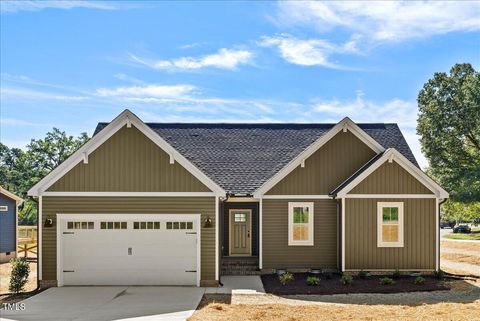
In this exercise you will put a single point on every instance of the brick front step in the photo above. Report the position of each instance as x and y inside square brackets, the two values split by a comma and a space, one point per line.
[240, 266]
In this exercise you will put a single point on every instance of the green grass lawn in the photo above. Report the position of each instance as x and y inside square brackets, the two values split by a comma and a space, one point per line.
[475, 235]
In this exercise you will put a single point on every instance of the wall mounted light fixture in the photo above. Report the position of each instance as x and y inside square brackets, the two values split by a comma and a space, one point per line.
[48, 222]
[208, 222]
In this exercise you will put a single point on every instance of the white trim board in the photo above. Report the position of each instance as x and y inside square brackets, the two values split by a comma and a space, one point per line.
[390, 196]
[131, 194]
[126, 118]
[390, 155]
[297, 197]
[344, 125]
[14, 197]
[90, 216]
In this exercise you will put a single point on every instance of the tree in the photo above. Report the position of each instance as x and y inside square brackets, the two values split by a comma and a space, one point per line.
[449, 126]
[20, 170]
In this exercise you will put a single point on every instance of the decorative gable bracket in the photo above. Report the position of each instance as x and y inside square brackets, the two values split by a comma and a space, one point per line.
[125, 118]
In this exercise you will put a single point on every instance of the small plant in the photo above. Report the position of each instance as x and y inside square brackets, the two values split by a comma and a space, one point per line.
[19, 275]
[439, 274]
[286, 278]
[362, 275]
[419, 280]
[346, 279]
[327, 275]
[313, 280]
[396, 274]
[386, 281]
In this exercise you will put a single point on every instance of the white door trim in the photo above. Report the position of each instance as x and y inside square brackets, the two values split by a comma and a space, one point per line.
[91, 216]
[249, 211]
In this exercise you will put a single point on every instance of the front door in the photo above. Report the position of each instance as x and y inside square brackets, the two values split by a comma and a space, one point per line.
[240, 232]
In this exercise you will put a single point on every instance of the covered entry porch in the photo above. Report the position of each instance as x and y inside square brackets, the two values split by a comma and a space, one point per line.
[239, 236]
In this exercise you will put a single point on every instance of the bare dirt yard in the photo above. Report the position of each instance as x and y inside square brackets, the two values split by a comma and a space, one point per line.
[6, 268]
[460, 257]
[462, 302]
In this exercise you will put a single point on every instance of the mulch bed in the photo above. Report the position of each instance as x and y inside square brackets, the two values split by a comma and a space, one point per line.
[372, 284]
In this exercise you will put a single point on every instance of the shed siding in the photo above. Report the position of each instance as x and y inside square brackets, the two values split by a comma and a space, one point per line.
[361, 251]
[7, 225]
[276, 251]
[329, 166]
[390, 178]
[128, 162]
[125, 205]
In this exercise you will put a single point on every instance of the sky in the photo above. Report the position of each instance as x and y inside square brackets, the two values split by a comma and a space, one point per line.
[72, 64]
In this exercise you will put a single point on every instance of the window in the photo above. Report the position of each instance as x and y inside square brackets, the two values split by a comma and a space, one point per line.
[3, 208]
[300, 223]
[240, 217]
[80, 225]
[113, 225]
[390, 224]
[179, 225]
[146, 225]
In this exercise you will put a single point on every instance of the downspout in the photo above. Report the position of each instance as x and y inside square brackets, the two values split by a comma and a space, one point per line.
[221, 216]
[438, 231]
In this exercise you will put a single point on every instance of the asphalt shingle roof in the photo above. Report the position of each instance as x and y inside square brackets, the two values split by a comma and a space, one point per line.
[241, 157]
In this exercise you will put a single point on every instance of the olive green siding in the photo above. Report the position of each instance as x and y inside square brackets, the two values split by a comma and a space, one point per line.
[390, 178]
[361, 251]
[123, 206]
[128, 162]
[276, 251]
[329, 166]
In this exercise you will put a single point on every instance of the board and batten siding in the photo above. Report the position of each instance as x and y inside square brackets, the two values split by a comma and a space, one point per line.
[361, 251]
[390, 178]
[124, 206]
[128, 162]
[8, 225]
[276, 251]
[327, 168]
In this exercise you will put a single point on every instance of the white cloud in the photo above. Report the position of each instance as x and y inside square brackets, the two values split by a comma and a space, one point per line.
[150, 91]
[310, 52]
[224, 59]
[18, 122]
[16, 5]
[383, 20]
[361, 110]
[30, 94]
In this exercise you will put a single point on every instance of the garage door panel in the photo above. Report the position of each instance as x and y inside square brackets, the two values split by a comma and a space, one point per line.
[128, 256]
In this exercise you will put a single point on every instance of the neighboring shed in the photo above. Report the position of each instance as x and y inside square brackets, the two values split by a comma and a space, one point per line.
[8, 224]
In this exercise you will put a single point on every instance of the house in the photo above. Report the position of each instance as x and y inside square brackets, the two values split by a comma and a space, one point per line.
[184, 204]
[9, 203]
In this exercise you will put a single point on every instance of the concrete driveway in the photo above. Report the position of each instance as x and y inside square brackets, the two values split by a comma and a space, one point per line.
[109, 303]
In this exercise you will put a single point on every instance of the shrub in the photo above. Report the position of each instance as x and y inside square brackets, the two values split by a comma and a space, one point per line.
[346, 279]
[386, 281]
[313, 280]
[439, 274]
[327, 275]
[419, 280]
[396, 274]
[286, 277]
[362, 274]
[19, 275]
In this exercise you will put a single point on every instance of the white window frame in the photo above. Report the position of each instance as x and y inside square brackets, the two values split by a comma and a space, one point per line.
[291, 241]
[3, 208]
[380, 207]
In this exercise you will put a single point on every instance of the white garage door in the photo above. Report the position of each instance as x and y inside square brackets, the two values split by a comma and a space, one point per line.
[128, 249]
